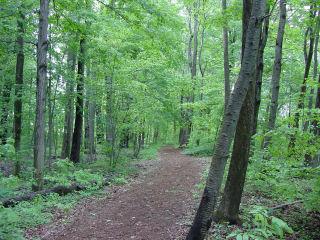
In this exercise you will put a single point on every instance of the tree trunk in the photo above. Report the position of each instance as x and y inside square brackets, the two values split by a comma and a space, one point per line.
[229, 207]
[276, 72]
[77, 133]
[203, 216]
[259, 70]
[225, 58]
[39, 128]
[316, 128]
[86, 125]
[50, 108]
[92, 116]
[308, 59]
[315, 73]
[69, 110]
[18, 92]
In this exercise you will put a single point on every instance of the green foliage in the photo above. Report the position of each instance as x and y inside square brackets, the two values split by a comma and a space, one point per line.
[200, 151]
[149, 152]
[7, 150]
[261, 225]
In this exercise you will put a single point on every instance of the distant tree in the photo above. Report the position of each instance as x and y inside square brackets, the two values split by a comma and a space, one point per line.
[69, 110]
[276, 71]
[78, 125]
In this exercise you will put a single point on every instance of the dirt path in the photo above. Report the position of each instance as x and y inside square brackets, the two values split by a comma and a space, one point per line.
[154, 207]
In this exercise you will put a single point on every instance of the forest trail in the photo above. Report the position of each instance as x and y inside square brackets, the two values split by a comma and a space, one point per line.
[155, 206]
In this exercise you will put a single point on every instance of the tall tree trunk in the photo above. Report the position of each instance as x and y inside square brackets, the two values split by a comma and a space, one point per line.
[259, 70]
[308, 59]
[276, 71]
[229, 207]
[18, 91]
[69, 110]
[225, 58]
[315, 73]
[39, 128]
[50, 109]
[92, 116]
[316, 129]
[203, 216]
[86, 125]
[77, 133]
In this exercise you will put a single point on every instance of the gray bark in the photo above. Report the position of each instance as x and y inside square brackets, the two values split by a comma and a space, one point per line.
[69, 110]
[39, 128]
[225, 58]
[259, 71]
[276, 71]
[78, 125]
[229, 206]
[203, 216]
[18, 91]
[308, 59]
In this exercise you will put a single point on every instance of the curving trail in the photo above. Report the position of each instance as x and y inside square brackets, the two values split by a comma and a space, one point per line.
[155, 206]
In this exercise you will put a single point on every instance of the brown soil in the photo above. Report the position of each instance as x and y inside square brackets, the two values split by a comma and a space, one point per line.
[155, 206]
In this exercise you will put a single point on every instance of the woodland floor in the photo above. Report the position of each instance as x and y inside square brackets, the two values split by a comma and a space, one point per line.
[155, 206]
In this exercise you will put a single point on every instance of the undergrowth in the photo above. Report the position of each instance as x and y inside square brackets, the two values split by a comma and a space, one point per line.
[28, 214]
[269, 182]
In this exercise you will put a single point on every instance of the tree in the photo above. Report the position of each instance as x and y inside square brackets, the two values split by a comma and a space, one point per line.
[18, 89]
[203, 218]
[226, 58]
[77, 133]
[308, 59]
[39, 129]
[276, 71]
[69, 110]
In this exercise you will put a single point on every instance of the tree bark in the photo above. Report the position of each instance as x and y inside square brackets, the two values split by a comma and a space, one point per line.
[259, 70]
[276, 71]
[78, 125]
[203, 216]
[18, 91]
[86, 125]
[316, 128]
[69, 110]
[308, 59]
[92, 116]
[229, 207]
[225, 58]
[39, 128]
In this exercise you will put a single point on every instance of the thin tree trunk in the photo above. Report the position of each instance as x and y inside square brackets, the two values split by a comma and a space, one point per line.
[78, 125]
[225, 58]
[316, 128]
[39, 128]
[50, 121]
[92, 116]
[315, 73]
[86, 124]
[276, 71]
[308, 59]
[203, 216]
[69, 110]
[18, 92]
[259, 70]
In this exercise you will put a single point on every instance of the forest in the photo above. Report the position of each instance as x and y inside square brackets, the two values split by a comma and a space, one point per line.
[159, 119]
